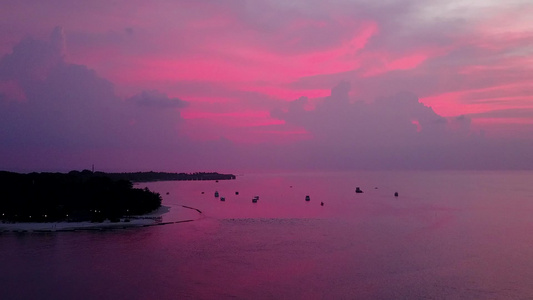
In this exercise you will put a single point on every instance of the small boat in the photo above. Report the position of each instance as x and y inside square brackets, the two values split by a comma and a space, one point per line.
[321, 203]
[307, 198]
[222, 199]
[254, 200]
[396, 194]
[236, 193]
[216, 194]
[358, 190]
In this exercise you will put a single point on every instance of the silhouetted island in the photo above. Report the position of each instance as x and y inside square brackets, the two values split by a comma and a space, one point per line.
[82, 196]
[76, 196]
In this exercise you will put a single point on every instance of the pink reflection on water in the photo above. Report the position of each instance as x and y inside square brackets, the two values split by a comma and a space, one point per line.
[434, 240]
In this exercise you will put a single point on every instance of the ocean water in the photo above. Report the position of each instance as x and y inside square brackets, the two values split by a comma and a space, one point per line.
[448, 235]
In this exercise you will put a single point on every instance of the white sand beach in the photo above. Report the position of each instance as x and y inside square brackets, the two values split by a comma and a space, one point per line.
[150, 219]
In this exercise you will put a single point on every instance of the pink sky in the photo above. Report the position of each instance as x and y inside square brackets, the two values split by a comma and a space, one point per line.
[253, 85]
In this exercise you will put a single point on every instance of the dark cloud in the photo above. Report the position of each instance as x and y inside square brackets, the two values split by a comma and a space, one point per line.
[386, 121]
[69, 113]
[390, 132]
[156, 99]
[30, 60]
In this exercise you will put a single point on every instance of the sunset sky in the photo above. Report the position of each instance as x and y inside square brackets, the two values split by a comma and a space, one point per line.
[244, 86]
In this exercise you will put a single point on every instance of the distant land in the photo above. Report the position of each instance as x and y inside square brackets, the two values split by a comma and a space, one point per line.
[82, 196]
[163, 176]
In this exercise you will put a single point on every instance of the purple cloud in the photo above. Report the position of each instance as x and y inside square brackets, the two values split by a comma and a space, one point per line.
[68, 110]
[156, 99]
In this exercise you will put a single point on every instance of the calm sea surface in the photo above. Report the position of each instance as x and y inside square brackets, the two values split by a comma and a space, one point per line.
[449, 235]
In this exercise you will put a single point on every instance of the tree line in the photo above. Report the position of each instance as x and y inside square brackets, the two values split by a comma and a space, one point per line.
[74, 196]
[161, 176]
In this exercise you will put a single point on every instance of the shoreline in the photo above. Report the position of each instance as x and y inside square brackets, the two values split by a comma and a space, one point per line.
[153, 218]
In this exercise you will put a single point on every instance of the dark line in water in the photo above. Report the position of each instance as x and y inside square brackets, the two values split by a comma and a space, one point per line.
[192, 208]
[184, 221]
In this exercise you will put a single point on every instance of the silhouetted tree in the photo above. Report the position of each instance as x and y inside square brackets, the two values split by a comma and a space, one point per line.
[43, 197]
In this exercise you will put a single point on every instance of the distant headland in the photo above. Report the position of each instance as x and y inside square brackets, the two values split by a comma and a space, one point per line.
[163, 176]
[83, 196]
